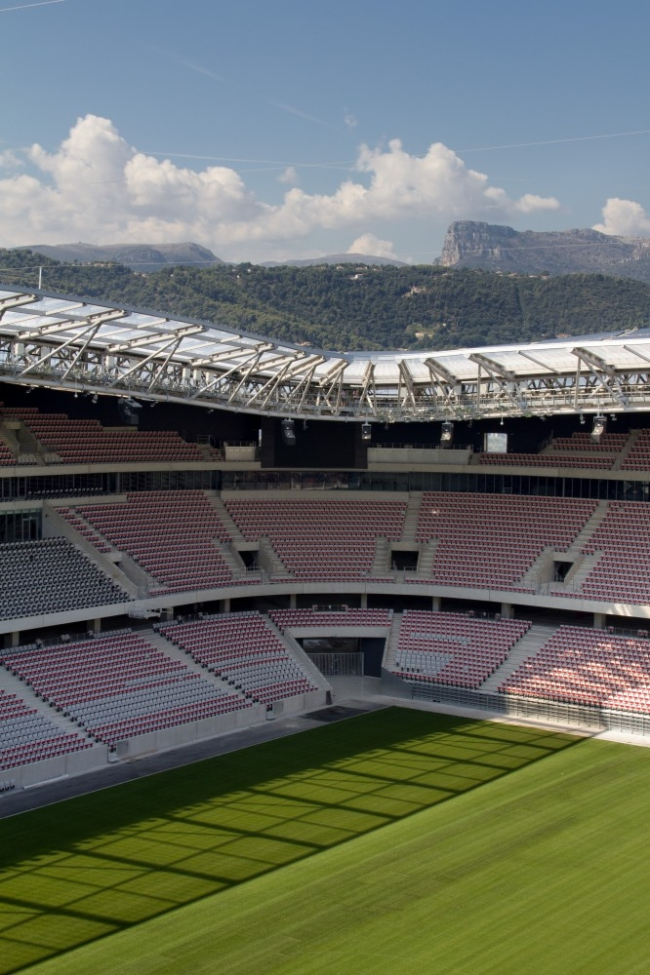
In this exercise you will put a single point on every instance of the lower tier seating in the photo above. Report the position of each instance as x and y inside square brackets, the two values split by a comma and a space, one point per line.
[28, 736]
[451, 648]
[243, 649]
[286, 619]
[119, 686]
[590, 667]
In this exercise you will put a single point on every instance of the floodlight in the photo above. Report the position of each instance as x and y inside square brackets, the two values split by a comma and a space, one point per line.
[288, 432]
[366, 431]
[447, 434]
[599, 428]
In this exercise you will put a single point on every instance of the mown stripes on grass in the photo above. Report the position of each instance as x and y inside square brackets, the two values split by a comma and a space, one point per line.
[95, 866]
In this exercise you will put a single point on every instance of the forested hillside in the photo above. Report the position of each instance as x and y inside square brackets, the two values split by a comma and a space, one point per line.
[347, 307]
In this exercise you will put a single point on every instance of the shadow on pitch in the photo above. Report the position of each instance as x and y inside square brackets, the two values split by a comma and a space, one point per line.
[101, 863]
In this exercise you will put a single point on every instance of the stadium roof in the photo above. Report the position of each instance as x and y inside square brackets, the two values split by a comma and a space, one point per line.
[75, 344]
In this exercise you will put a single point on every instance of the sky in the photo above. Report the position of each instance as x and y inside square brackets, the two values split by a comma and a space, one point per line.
[289, 129]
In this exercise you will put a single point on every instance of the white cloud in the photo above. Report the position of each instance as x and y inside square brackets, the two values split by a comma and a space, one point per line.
[350, 121]
[98, 188]
[10, 160]
[288, 175]
[372, 246]
[624, 218]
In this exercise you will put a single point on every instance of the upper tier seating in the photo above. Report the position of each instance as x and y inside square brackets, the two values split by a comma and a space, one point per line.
[577, 450]
[51, 576]
[7, 459]
[170, 534]
[622, 574]
[638, 458]
[287, 619]
[451, 648]
[27, 736]
[119, 686]
[244, 650]
[88, 442]
[581, 442]
[324, 539]
[490, 541]
[583, 666]
[549, 460]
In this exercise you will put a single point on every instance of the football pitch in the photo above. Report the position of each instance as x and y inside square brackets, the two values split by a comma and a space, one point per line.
[399, 841]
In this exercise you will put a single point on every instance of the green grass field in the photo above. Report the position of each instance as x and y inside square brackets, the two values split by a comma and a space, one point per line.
[396, 842]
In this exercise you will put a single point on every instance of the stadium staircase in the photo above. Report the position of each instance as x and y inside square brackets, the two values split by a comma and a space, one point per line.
[229, 550]
[223, 514]
[30, 451]
[390, 653]
[627, 449]
[577, 575]
[381, 562]
[271, 563]
[11, 684]
[582, 564]
[170, 649]
[233, 560]
[296, 651]
[532, 641]
[427, 556]
[118, 566]
[584, 535]
[411, 518]
[541, 570]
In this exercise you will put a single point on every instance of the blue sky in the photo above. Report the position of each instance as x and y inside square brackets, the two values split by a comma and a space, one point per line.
[269, 130]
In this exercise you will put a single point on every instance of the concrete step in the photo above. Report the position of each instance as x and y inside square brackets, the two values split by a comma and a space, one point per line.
[381, 561]
[392, 641]
[584, 535]
[631, 440]
[170, 649]
[426, 558]
[411, 520]
[12, 684]
[532, 641]
[233, 531]
[541, 570]
[303, 659]
[270, 561]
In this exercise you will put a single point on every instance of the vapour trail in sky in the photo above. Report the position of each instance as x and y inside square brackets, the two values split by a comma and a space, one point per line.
[24, 6]
[300, 133]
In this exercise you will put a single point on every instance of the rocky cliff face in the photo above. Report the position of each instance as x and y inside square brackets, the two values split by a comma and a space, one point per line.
[471, 244]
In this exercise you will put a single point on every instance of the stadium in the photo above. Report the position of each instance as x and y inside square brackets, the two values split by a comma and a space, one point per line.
[210, 537]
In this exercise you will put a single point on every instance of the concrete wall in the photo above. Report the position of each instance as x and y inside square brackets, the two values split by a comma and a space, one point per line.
[184, 734]
[63, 766]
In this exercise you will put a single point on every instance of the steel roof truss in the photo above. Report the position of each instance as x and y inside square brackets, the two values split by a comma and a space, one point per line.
[96, 319]
[290, 371]
[504, 379]
[139, 364]
[407, 380]
[369, 384]
[163, 339]
[604, 373]
[55, 351]
[6, 304]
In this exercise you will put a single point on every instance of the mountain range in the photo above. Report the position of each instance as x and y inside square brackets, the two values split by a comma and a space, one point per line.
[138, 257]
[153, 257]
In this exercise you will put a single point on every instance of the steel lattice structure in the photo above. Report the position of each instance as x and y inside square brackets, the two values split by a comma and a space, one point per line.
[78, 345]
